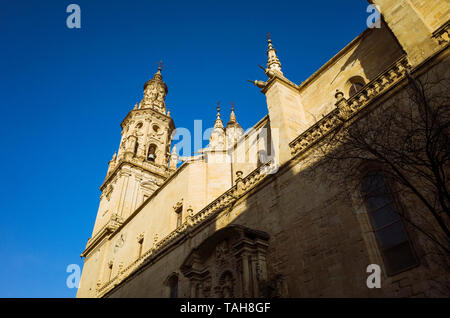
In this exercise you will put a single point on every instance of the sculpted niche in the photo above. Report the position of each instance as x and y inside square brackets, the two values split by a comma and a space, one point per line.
[229, 264]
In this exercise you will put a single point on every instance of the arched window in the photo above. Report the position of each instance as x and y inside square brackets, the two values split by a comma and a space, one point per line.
[389, 231]
[151, 155]
[355, 84]
[173, 286]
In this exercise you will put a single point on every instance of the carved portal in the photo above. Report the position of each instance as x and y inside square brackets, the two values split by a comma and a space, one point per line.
[230, 263]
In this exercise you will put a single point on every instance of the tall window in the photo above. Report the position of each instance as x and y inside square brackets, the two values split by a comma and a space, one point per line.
[173, 286]
[110, 268]
[179, 213]
[151, 155]
[140, 245]
[390, 233]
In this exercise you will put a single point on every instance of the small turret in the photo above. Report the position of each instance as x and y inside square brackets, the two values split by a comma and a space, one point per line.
[234, 131]
[273, 63]
[217, 137]
[173, 159]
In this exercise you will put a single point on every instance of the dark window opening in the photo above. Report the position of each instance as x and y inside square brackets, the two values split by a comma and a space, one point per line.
[110, 268]
[355, 88]
[141, 244]
[356, 84]
[389, 231]
[179, 213]
[173, 285]
[151, 155]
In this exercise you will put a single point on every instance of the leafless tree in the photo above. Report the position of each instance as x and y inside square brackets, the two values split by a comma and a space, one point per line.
[406, 136]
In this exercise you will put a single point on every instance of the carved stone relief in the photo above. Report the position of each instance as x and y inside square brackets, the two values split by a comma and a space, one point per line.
[230, 263]
[119, 243]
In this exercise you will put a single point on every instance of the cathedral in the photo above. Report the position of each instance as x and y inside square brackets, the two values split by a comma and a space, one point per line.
[243, 217]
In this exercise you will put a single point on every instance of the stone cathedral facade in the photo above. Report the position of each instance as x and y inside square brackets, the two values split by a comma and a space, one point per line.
[241, 218]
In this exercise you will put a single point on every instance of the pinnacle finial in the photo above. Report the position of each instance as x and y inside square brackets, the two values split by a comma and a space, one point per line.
[232, 115]
[273, 63]
[269, 40]
[218, 123]
[218, 109]
[232, 122]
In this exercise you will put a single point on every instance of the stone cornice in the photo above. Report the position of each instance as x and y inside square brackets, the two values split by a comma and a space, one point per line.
[346, 109]
[442, 33]
[110, 229]
[152, 196]
[153, 112]
[282, 79]
[113, 224]
[128, 160]
[246, 185]
[191, 225]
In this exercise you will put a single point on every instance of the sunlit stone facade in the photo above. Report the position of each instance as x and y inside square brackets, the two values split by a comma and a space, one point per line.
[242, 218]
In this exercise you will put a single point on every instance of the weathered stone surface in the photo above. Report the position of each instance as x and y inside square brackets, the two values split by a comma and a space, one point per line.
[261, 228]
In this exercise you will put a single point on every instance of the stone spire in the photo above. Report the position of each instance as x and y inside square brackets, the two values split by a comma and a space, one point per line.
[218, 123]
[155, 91]
[217, 137]
[234, 131]
[273, 63]
[173, 158]
[232, 122]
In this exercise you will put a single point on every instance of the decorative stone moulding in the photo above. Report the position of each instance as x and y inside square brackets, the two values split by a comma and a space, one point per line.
[442, 34]
[193, 221]
[346, 109]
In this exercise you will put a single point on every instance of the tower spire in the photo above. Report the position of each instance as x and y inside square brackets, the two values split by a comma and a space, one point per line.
[232, 122]
[155, 91]
[273, 63]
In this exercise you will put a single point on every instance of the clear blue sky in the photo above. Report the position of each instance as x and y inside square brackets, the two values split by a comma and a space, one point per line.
[64, 92]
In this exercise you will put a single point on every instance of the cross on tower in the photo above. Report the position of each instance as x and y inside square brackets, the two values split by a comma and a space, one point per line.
[232, 106]
[218, 106]
[160, 65]
[268, 36]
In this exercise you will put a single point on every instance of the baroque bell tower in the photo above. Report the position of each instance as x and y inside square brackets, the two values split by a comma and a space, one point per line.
[143, 161]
